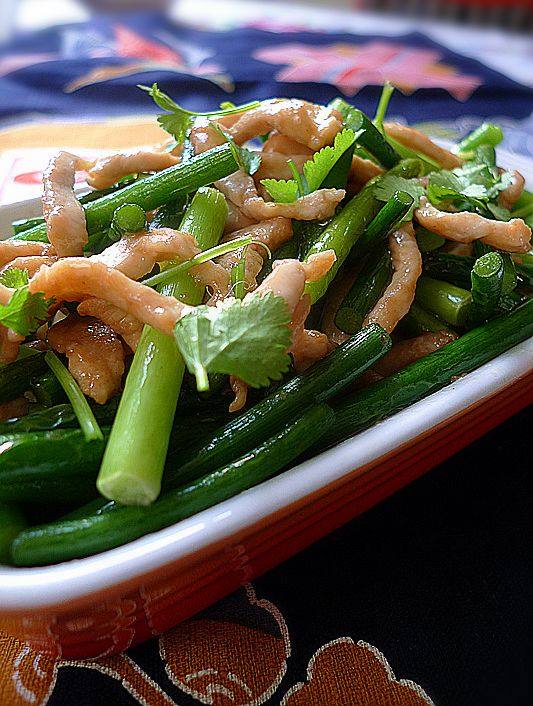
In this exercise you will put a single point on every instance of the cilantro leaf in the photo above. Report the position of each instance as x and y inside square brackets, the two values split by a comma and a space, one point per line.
[14, 278]
[282, 190]
[177, 121]
[248, 339]
[315, 170]
[247, 160]
[471, 187]
[24, 312]
[388, 185]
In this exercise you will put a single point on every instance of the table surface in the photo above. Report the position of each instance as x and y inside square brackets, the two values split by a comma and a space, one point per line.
[425, 599]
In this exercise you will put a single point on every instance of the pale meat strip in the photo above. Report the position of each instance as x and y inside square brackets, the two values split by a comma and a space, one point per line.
[76, 279]
[410, 350]
[273, 233]
[288, 277]
[106, 171]
[361, 171]
[136, 255]
[282, 144]
[204, 135]
[509, 196]
[466, 227]
[397, 298]
[417, 141]
[236, 219]
[12, 249]
[241, 190]
[94, 352]
[9, 340]
[312, 125]
[31, 263]
[64, 215]
[125, 325]
[307, 346]
[274, 165]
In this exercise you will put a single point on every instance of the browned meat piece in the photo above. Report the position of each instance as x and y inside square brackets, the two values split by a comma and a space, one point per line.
[307, 346]
[397, 298]
[18, 407]
[94, 352]
[63, 213]
[9, 340]
[417, 141]
[465, 227]
[240, 390]
[410, 350]
[126, 326]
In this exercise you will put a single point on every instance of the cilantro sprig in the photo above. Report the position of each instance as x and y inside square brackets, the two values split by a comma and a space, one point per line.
[315, 170]
[472, 187]
[177, 120]
[390, 184]
[247, 160]
[25, 311]
[248, 339]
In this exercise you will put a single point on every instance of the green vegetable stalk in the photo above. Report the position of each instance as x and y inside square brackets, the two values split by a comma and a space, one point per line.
[487, 283]
[154, 191]
[135, 455]
[445, 300]
[83, 412]
[107, 528]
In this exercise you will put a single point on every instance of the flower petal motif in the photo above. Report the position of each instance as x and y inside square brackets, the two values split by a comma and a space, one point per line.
[344, 673]
[233, 653]
[350, 67]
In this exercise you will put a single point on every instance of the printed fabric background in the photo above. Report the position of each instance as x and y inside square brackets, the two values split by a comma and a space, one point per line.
[426, 599]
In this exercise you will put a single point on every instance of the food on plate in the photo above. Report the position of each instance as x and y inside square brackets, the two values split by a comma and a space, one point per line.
[271, 280]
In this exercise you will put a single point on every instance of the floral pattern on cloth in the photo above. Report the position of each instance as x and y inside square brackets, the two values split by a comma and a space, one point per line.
[236, 652]
[139, 54]
[351, 67]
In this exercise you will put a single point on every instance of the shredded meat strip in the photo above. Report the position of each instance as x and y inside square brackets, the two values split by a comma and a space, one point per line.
[13, 409]
[236, 219]
[106, 171]
[95, 355]
[240, 390]
[417, 141]
[274, 165]
[399, 295]
[204, 136]
[410, 350]
[136, 255]
[510, 195]
[313, 125]
[78, 278]
[273, 233]
[465, 227]
[12, 249]
[9, 340]
[288, 277]
[31, 263]
[361, 171]
[125, 325]
[285, 145]
[64, 215]
[307, 346]
[240, 188]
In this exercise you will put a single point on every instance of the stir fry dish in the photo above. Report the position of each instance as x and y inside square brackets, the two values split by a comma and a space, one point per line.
[271, 280]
